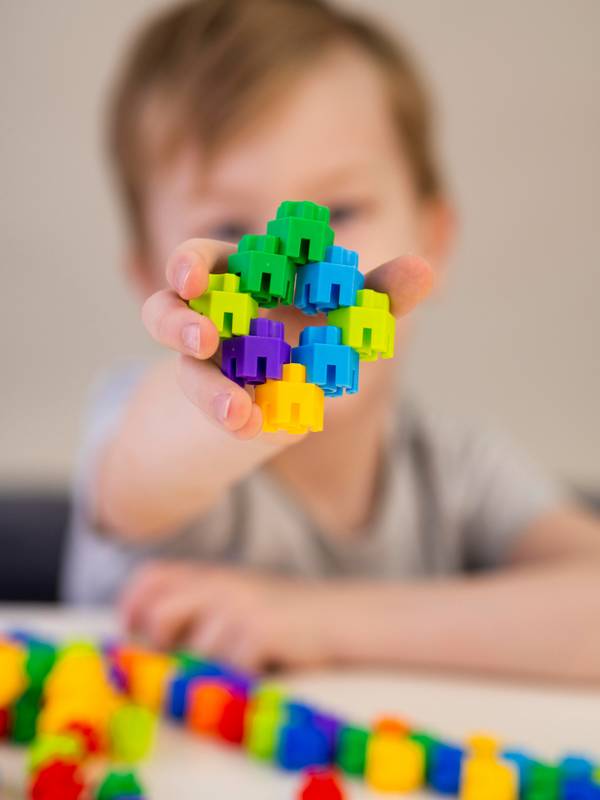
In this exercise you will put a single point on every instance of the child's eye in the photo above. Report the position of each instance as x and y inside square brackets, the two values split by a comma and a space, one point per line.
[228, 232]
[342, 213]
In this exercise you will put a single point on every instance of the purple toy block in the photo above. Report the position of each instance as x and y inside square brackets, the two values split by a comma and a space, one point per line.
[258, 356]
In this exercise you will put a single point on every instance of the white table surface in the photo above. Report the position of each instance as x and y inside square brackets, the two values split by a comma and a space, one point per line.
[548, 720]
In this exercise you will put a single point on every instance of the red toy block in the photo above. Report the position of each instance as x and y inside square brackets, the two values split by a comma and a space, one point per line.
[321, 784]
[58, 780]
[4, 722]
[231, 724]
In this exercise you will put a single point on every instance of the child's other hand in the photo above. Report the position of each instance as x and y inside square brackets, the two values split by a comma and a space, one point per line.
[247, 619]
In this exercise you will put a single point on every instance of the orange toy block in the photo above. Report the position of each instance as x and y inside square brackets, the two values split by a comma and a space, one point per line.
[291, 404]
[208, 702]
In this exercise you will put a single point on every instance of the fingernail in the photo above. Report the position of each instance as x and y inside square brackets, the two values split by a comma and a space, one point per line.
[182, 270]
[222, 403]
[190, 336]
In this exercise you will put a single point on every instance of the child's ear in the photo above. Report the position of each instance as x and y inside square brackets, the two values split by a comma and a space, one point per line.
[140, 273]
[438, 233]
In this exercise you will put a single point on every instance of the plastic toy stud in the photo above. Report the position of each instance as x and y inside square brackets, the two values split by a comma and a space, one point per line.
[368, 326]
[258, 356]
[224, 304]
[303, 229]
[328, 284]
[291, 404]
[330, 364]
[265, 272]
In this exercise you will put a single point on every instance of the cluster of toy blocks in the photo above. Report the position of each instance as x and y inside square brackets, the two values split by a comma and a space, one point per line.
[296, 262]
[76, 703]
[62, 703]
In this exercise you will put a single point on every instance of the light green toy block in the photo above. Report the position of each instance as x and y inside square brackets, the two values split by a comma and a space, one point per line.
[265, 272]
[261, 733]
[131, 731]
[49, 747]
[369, 326]
[224, 304]
[304, 230]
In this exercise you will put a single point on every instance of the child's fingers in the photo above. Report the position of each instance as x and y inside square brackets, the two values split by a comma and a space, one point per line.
[171, 323]
[407, 279]
[222, 400]
[145, 587]
[168, 621]
[190, 264]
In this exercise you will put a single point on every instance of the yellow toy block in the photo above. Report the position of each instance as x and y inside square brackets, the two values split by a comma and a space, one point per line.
[368, 327]
[12, 672]
[224, 304]
[484, 776]
[148, 679]
[291, 404]
[394, 763]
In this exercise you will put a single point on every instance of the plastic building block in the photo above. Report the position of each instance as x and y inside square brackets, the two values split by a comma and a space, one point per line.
[24, 716]
[229, 309]
[446, 768]
[265, 272]
[321, 784]
[303, 228]
[55, 747]
[330, 283]
[576, 777]
[40, 660]
[261, 732]
[429, 744]
[291, 404]
[89, 736]
[4, 722]
[119, 783]
[258, 356]
[368, 326]
[394, 763]
[544, 782]
[230, 727]
[12, 669]
[330, 364]
[148, 679]
[352, 749]
[58, 780]
[207, 704]
[302, 746]
[131, 731]
[487, 778]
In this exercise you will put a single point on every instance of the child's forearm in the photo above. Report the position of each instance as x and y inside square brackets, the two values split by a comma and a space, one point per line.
[538, 621]
[167, 463]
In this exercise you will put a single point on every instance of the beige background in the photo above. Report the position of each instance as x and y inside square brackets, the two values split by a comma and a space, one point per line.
[514, 341]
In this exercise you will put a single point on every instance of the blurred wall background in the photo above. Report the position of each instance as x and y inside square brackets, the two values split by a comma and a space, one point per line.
[515, 339]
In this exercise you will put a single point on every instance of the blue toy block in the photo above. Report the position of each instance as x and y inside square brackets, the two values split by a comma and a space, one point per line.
[298, 713]
[330, 364]
[302, 746]
[446, 768]
[522, 762]
[328, 284]
[576, 781]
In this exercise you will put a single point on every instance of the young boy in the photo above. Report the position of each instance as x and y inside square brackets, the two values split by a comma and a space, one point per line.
[349, 545]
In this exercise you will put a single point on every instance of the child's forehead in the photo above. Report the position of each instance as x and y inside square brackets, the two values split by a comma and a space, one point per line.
[331, 124]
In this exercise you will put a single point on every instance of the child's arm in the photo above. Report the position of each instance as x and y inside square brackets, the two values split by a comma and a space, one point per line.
[188, 433]
[537, 618]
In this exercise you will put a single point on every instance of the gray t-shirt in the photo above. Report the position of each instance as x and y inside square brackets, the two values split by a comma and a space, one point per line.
[449, 500]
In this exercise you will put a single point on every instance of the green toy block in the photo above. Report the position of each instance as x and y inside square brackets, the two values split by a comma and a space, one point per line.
[131, 732]
[50, 747]
[119, 783]
[428, 743]
[188, 661]
[369, 326]
[224, 304]
[304, 230]
[544, 782]
[24, 715]
[265, 272]
[40, 660]
[352, 750]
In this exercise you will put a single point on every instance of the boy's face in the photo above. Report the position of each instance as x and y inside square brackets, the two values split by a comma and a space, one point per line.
[330, 139]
